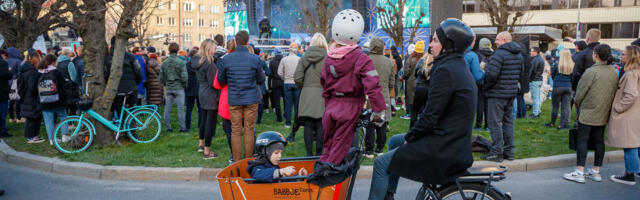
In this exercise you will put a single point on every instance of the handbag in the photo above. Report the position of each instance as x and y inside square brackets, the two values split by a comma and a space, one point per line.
[573, 137]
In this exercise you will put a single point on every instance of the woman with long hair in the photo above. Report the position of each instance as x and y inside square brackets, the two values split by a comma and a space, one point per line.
[307, 78]
[207, 96]
[561, 74]
[423, 67]
[29, 101]
[223, 102]
[52, 96]
[624, 129]
[594, 96]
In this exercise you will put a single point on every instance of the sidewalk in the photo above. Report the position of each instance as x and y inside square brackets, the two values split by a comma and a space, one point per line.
[57, 166]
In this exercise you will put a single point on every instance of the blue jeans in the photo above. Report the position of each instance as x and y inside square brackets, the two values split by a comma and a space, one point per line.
[291, 96]
[515, 108]
[534, 86]
[49, 121]
[631, 160]
[382, 181]
[4, 108]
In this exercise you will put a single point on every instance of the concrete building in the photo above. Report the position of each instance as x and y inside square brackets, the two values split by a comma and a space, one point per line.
[552, 20]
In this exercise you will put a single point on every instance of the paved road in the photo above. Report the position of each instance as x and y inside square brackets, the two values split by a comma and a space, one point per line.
[24, 183]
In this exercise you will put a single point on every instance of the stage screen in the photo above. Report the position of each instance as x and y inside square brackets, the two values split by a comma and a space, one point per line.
[235, 21]
[412, 11]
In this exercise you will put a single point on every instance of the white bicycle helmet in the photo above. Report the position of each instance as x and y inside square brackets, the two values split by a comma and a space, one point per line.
[347, 27]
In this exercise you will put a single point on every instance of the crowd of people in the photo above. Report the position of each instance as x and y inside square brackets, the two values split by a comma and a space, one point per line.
[447, 85]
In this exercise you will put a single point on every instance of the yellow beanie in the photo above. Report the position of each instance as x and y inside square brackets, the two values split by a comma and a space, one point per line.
[419, 47]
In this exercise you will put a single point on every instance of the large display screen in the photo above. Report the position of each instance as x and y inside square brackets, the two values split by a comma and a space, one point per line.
[412, 11]
[235, 21]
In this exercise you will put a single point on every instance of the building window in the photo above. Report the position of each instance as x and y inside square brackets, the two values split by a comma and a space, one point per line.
[172, 36]
[201, 22]
[200, 38]
[187, 37]
[468, 6]
[214, 9]
[203, 8]
[212, 36]
[187, 22]
[159, 20]
[172, 6]
[172, 21]
[214, 24]
[188, 7]
[160, 5]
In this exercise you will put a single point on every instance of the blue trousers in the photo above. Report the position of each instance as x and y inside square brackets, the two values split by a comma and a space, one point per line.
[535, 96]
[382, 181]
[291, 97]
[631, 160]
[4, 108]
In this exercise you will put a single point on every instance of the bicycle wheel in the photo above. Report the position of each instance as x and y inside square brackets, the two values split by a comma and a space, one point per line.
[425, 193]
[471, 190]
[73, 135]
[145, 124]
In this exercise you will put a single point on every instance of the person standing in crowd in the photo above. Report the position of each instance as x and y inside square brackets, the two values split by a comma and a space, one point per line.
[624, 130]
[263, 85]
[484, 52]
[423, 68]
[398, 60]
[52, 96]
[286, 71]
[154, 87]
[439, 141]
[562, 93]
[208, 96]
[69, 71]
[473, 62]
[142, 86]
[192, 91]
[174, 77]
[79, 63]
[129, 80]
[14, 60]
[347, 77]
[594, 96]
[501, 82]
[5, 76]
[29, 102]
[223, 102]
[537, 68]
[583, 60]
[242, 71]
[276, 83]
[307, 78]
[410, 77]
[392, 92]
[386, 73]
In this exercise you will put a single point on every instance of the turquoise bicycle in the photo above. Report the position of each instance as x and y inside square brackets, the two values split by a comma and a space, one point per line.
[75, 133]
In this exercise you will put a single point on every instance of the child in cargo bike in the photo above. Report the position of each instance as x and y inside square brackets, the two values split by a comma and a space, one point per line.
[265, 168]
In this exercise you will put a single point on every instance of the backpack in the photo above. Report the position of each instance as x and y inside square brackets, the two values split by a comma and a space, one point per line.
[48, 88]
[480, 144]
[13, 93]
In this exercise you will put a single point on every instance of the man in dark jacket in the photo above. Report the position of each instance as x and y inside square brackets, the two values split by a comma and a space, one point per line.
[79, 63]
[537, 68]
[192, 91]
[69, 71]
[502, 84]
[5, 76]
[174, 77]
[129, 80]
[584, 59]
[242, 72]
[484, 53]
[276, 83]
[439, 141]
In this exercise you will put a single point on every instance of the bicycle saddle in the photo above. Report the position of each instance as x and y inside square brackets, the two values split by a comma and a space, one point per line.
[85, 104]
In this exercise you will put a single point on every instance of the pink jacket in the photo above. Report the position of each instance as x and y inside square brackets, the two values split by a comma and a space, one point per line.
[352, 76]
[223, 104]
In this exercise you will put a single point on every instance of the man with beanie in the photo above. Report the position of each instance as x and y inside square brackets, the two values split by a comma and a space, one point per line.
[484, 52]
[286, 70]
[276, 83]
[502, 75]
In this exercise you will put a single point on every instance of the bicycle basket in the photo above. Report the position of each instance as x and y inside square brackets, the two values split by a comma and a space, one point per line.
[85, 104]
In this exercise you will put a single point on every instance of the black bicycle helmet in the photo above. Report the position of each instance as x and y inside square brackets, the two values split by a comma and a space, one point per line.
[267, 139]
[455, 35]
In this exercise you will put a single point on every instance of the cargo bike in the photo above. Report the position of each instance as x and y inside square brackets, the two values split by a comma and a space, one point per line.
[236, 183]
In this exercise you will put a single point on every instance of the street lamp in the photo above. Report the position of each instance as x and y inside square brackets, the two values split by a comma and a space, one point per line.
[578, 26]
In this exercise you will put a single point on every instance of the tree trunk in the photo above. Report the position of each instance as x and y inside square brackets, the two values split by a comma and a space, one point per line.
[94, 52]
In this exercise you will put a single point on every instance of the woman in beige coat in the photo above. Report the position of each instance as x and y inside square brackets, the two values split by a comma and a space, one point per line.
[624, 129]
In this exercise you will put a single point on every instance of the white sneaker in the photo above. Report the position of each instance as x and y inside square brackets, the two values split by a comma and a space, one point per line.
[593, 175]
[369, 156]
[576, 176]
[50, 142]
[65, 138]
[287, 126]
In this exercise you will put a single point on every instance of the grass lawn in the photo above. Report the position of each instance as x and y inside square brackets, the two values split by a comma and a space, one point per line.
[175, 149]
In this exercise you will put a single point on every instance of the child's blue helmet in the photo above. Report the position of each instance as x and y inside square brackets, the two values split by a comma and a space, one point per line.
[267, 139]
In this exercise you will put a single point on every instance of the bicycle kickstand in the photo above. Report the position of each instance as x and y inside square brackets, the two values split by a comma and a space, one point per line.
[117, 136]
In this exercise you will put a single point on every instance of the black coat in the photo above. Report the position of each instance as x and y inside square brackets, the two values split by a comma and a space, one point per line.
[583, 60]
[28, 91]
[537, 68]
[275, 81]
[5, 76]
[192, 81]
[131, 74]
[502, 73]
[438, 148]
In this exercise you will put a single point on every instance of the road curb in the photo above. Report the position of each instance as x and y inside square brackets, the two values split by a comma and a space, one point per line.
[94, 171]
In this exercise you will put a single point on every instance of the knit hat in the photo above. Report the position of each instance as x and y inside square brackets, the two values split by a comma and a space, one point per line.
[277, 52]
[419, 48]
[485, 43]
[182, 53]
[151, 49]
